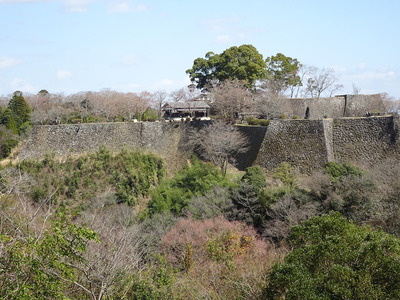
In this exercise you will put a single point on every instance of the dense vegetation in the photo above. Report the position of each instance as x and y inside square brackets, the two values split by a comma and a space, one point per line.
[336, 259]
[14, 123]
[114, 226]
[121, 178]
[119, 226]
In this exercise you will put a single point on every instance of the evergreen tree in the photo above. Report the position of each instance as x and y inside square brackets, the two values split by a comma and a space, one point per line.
[20, 112]
[336, 259]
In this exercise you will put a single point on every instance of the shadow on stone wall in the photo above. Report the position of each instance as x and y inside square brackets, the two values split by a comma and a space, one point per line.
[255, 136]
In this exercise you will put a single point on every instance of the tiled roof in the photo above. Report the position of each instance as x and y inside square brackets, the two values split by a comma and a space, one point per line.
[187, 105]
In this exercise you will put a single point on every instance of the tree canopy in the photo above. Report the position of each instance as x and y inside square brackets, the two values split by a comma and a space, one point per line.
[336, 259]
[283, 71]
[19, 112]
[243, 63]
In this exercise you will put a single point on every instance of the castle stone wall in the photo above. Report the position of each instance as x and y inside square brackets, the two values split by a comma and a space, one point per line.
[63, 140]
[255, 137]
[298, 142]
[330, 107]
[360, 105]
[365, 141]
[307, 144]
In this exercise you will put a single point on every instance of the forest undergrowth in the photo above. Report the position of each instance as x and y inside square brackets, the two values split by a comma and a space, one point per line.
[115, 226]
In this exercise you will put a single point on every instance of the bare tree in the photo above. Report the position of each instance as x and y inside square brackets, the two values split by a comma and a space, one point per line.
[230, 98]
[274, 88]
[220, 142]
[117, 254]
[272, 107]
[140, 103]
[356, 89]
[178, 95]
[320, 81]
[184, 94]
[158, 101]
[304, 72]
[391, 105]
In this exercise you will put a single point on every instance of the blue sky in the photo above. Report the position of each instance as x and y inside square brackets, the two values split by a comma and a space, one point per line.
[68, 46]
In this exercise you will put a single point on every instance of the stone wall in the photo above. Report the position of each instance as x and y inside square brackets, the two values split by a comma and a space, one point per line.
[255, 136]
[330, 107]
[360, 105]
[298, 142]
[308, 144]
[63, 140]
[365, 141]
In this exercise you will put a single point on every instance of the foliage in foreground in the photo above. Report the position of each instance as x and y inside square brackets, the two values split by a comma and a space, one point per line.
[215, 251]
[216, 259]
[40, 265]
[336, 259]
[195, 179]
[123, 177]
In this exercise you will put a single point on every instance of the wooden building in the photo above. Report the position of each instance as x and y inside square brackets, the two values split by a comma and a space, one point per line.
[188, 109]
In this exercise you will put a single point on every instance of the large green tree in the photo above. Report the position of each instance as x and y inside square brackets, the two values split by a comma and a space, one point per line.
[336, 259]
[19, 113]
[283, 73]
[242, 63]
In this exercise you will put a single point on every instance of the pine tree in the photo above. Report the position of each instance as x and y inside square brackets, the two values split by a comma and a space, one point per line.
[20, 111]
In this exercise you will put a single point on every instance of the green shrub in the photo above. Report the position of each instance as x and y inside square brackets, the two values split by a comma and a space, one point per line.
[210, 205]
[254, 121]
[154, 283]
[286, 174]
[175, 194]
[255, 176]
[335, 259]
[264, 122]
[150, 115]
[7, 146]
[130, 174]
[37, 265]
[338, 171]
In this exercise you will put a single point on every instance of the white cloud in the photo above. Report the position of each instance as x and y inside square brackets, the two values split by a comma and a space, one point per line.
[339, 69]
[170, 84]
[81, 5]
[70, 5]
[227, 30]
[131, 59]
[224, 39]
[18, 84]
[23, 1]
[220, 25]
[63, 74]
[6, 62]
[362, 66]
[76, 5]
[373, 75]
[127, 87]
[125, 7]
[164, 83]
[119, 7]
[371, 81]
[141, 7]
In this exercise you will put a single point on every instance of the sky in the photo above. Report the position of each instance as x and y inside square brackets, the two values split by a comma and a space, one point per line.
[70, 46]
